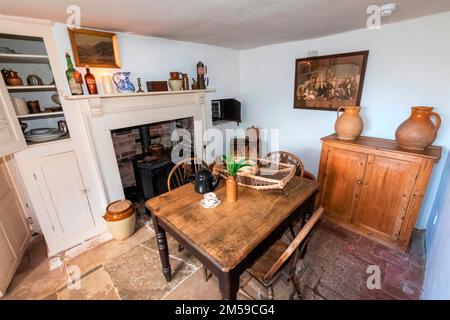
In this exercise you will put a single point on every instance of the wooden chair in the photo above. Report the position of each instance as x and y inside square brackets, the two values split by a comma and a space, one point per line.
[182, 173]
[286, 157]
[269, 268]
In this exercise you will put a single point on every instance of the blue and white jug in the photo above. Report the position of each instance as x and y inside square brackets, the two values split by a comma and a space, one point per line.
[123, 83]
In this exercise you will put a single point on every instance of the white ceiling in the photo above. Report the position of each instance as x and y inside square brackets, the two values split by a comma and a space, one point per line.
[239, 24]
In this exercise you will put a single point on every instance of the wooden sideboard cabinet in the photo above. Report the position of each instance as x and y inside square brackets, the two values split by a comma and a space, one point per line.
[374, 187]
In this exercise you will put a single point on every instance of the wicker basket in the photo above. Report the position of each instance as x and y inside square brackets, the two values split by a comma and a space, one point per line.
[266, 176]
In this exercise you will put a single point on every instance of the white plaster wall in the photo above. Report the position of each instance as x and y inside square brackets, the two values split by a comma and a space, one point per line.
[409, 64]
[437, 276]
[153, 58]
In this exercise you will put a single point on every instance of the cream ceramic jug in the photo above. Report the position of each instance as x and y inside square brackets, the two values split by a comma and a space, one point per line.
[349, 125]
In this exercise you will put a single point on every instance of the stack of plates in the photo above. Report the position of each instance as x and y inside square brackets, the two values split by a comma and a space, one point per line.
[43, 134]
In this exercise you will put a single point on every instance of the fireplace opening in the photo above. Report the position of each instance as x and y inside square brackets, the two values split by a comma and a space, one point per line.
[143, 155]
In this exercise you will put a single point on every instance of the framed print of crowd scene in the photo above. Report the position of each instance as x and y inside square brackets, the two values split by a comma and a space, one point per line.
[330, 82]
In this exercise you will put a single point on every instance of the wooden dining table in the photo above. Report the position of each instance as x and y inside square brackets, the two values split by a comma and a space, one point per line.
[228, 239]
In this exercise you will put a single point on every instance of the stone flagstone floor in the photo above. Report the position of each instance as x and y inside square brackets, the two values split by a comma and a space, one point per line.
[334, 268]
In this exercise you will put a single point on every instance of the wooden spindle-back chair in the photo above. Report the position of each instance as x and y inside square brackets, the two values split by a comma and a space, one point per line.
[268, 269]
[184, 172]
[286, 157]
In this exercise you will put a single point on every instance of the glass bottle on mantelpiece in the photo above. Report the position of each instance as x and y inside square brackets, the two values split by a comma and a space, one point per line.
[73, 77]
[90, 82]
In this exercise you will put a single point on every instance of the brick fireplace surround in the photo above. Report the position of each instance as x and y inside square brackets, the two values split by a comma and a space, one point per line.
[127, 144]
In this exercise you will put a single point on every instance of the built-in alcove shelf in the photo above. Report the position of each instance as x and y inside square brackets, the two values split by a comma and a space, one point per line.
[40, 115]
[23, 58]
[65, 137]
[50, 87]
[156, 93]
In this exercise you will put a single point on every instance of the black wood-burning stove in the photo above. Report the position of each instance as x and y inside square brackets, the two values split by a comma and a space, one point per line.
[151, 171]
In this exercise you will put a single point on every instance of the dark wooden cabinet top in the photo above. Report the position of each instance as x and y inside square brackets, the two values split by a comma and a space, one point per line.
[433, 152]
[231, 231]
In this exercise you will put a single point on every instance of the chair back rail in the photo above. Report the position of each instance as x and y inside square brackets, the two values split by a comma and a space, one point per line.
[286, 157]
[183, 170]
[299, 240]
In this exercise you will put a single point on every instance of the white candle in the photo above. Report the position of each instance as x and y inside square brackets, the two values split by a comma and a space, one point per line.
[107, 84]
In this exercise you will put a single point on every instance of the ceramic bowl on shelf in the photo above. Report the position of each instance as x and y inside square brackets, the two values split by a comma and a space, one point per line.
[38, 135]
[175, 85]
[40, 131]
[34, 80]
[55, 98]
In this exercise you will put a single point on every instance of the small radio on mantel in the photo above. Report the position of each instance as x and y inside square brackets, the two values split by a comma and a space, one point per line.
[226, 110]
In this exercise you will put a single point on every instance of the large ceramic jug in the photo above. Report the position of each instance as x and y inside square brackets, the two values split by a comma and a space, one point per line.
[418, 131]
[349, 125]
[123, 83]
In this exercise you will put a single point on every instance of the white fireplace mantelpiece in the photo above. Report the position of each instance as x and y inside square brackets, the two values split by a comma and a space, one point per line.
[91, 119]
[138, 94]
[104, 103]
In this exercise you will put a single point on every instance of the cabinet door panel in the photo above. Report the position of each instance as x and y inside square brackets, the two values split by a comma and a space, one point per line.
[342, 183]
[9, 261]
[14, 232]
[11, 136]
[385, 196]
[64, 194]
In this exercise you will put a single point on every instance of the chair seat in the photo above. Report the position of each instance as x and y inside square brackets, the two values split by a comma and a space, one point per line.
[262, 266]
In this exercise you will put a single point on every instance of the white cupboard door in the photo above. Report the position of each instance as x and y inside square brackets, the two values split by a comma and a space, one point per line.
[64, 194]
[14, 231]
[11, 136]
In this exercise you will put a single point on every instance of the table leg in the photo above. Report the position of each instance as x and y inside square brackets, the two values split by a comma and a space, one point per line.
[309, 209]
[163, 249]
[229, 286]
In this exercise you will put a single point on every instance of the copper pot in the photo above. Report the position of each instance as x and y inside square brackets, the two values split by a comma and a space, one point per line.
[13, 79]
[156, 149]
[418, 131]
[33, 106]
[174, 75]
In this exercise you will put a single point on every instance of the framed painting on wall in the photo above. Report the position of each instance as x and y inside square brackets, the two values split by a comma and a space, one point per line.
[96, 49]
[330, 82]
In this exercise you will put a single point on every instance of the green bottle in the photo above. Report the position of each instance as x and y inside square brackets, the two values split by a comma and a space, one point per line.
[73, 77]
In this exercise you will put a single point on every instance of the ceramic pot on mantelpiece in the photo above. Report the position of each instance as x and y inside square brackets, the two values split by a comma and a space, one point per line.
[349, 125]
[418, 131]
[231, 189]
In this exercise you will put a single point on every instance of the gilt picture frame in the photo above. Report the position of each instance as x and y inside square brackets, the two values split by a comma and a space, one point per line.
[97, 49]
[330, 82]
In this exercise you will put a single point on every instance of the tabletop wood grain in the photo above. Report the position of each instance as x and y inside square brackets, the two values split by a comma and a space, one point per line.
[228, 233]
